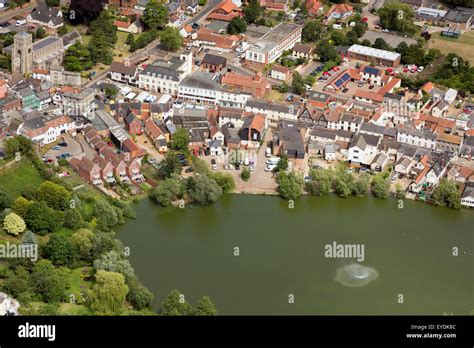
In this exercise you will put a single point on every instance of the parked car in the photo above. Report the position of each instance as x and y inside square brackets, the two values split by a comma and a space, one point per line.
[20, 22]
[63, 144]
[290, 98]
[270, 167]
[345, 89]
[421, 68]
[220, 51]
[189, 170]
[213, 161]
[214, 166]
[239, 50]
[56, 148]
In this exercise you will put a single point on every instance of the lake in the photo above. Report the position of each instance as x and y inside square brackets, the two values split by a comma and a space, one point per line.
[255, 255]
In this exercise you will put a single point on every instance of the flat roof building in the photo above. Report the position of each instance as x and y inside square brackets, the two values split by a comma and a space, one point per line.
[369, 54]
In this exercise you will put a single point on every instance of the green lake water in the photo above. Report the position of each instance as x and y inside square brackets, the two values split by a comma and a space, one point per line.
[282, 255]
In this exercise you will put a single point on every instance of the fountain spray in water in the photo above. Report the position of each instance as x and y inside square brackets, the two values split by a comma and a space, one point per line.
[355, 275]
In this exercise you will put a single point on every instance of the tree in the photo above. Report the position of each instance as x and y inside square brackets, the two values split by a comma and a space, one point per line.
[245, 174]
[48, 282]
[16, 282]
[56, 196]
[59, 250]
[180, 139]
[464, 3]
[14, 224]
[361, 185]
[114, 261]
[5, 200]
[205, 307]
[111, 92]
[320, 183]
[20, 206]
[62, 30]
[298, 84]
[40, 33]
[400, 193]
[53, 3]
[108, 294]
[447, 194]
[73, 219]
[167, 191]
[103, 242]
[237, 26]
[343, 182]
[171, 39]
[41, 219]
[155, 15]
[312, 31]
[29, 238]
[139, 296]
[380, 187]
[225, 181]
[382, 44]
[398, 17]
[326, 52]
[175, 304]
[82, 242]
[252, 11]
[170, 165]
[282, 164]
[106, 214]
[84, 11]
[203, 190]
[289, 185]
[130, 39]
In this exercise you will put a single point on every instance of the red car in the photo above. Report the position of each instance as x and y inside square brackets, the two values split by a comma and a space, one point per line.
[364, 20]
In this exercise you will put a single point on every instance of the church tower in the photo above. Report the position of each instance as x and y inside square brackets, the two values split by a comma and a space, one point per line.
[22, 54]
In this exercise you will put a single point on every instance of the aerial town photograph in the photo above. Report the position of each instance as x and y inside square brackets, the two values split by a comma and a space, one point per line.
[236, 158]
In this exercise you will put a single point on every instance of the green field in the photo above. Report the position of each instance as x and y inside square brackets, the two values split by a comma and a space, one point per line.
[18, 177]
[464, 46]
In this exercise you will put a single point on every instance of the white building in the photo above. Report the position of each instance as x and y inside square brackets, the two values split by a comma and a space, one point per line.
[363, 149]
[274, 110]
[416, 138]
[45, 130]
[81, 104]
[467, 197]
[271, 45]
[164, 76]
[203, 88]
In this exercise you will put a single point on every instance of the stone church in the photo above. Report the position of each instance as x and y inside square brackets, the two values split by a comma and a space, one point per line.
[42, 54]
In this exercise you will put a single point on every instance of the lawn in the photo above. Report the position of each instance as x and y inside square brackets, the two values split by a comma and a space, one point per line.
[274, 95]
[19, 177]
[464, 46]
[121, 48]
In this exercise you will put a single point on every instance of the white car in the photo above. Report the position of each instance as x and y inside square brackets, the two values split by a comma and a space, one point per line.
[337, 26]
[270, 167]
[220, 51]
[420, 68]
[308, 87]
[214, 166]
[239, 50]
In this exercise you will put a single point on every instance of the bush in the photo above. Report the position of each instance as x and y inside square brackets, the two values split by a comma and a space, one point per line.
[245, 174]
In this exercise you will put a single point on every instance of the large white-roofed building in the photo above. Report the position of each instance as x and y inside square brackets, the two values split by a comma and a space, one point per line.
[377, 56]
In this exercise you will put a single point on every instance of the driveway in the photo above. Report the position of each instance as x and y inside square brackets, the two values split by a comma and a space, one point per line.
[73, 147]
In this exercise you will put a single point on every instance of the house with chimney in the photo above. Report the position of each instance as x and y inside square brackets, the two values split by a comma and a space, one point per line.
[123, 73]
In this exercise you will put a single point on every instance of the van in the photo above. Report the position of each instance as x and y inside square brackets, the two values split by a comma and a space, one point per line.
[273, 160]
[337, 26]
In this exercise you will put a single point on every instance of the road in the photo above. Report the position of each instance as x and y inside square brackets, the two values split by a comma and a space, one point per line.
[18, 11]
[372, 19]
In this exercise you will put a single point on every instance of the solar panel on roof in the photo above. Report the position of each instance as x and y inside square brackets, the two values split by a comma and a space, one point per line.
[371, 70]
[343, 79]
